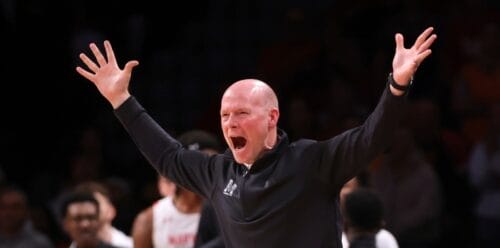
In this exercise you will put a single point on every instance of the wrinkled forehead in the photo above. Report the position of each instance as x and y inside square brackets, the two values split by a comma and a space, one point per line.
[239, 98]
[249, 93]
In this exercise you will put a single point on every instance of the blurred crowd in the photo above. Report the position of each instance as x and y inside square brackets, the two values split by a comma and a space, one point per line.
[328, 61]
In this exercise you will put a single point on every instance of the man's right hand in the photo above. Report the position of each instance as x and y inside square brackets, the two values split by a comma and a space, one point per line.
[111, 81]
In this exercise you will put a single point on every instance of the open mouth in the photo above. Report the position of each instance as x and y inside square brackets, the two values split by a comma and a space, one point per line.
[238, 142]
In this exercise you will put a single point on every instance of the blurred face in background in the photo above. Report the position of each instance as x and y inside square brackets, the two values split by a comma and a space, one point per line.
[165, 186]
[82, 223]
[13, 212]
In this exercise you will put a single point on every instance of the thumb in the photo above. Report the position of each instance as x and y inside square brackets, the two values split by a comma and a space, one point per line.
[399, 41]
[130, 65]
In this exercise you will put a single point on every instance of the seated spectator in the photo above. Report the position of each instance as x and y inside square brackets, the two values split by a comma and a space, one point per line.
[80, 213]
[363, 218]
[383, 238]
[484, 176]
[16, 230]
[173, 220]
[142, 230]
[107, 232]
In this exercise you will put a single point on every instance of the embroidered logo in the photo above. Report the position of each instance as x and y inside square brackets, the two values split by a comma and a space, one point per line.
[230, 188]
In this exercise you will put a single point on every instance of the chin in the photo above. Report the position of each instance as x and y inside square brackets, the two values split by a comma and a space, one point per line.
[239, 160]
[238, 156]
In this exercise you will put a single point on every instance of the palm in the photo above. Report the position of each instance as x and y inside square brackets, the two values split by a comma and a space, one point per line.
[407, 60]
[110, 80]
[404, 61]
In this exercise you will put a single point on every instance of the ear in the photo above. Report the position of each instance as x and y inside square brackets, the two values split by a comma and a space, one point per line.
[274, 115]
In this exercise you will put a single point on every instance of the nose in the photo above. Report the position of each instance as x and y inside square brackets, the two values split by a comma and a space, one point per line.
[231, 121]
[84, 224]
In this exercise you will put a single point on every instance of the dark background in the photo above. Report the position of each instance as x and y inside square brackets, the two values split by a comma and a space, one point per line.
[327, 61]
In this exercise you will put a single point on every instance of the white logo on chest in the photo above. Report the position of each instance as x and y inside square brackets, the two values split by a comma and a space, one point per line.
[230, 188]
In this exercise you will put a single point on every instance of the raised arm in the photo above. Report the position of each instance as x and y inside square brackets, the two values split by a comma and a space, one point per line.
[187, 168]
[407, 60]
[346, 154]
[111, 81]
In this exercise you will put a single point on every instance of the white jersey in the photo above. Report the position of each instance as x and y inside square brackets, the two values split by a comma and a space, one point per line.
[120, 239]
[171, 228]
[383, 239]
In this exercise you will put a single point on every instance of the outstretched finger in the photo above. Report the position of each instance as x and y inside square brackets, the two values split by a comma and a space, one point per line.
[98, 55]
[90, 64]
[130, 65]
[85, 73]
[109, 53]
[422, 56]
[427, 43]
[399, 42]
[422, 37]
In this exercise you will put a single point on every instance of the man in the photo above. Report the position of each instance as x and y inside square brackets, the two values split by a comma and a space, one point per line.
[266, 192]
[383, 238]
[107, 213]
[16, 229]
[173, 220]
[363, 218]
[80, 212]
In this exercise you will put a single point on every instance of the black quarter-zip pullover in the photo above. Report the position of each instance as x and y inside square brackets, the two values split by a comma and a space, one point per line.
[289, 197]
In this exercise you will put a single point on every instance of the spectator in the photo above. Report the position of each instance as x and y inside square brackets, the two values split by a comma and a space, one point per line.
[80, 212]
[107, 213]
[173, 220]
[484, 174]
[383, 238]
[363, 218]
[16, 230]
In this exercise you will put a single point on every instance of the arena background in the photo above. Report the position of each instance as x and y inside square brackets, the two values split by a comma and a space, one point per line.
[327, 60]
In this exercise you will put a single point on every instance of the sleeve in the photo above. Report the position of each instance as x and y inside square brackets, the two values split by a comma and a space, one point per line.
[344, 155]
[189, 169]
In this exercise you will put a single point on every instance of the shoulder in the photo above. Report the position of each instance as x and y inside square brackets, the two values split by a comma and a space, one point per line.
[303, 143]
[306, 146]
[385, 239]
[120, 239]
[143, 219]
[142, 227]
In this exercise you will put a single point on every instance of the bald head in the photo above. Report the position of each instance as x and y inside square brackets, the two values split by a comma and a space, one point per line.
[249, 116]
[256, 90]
